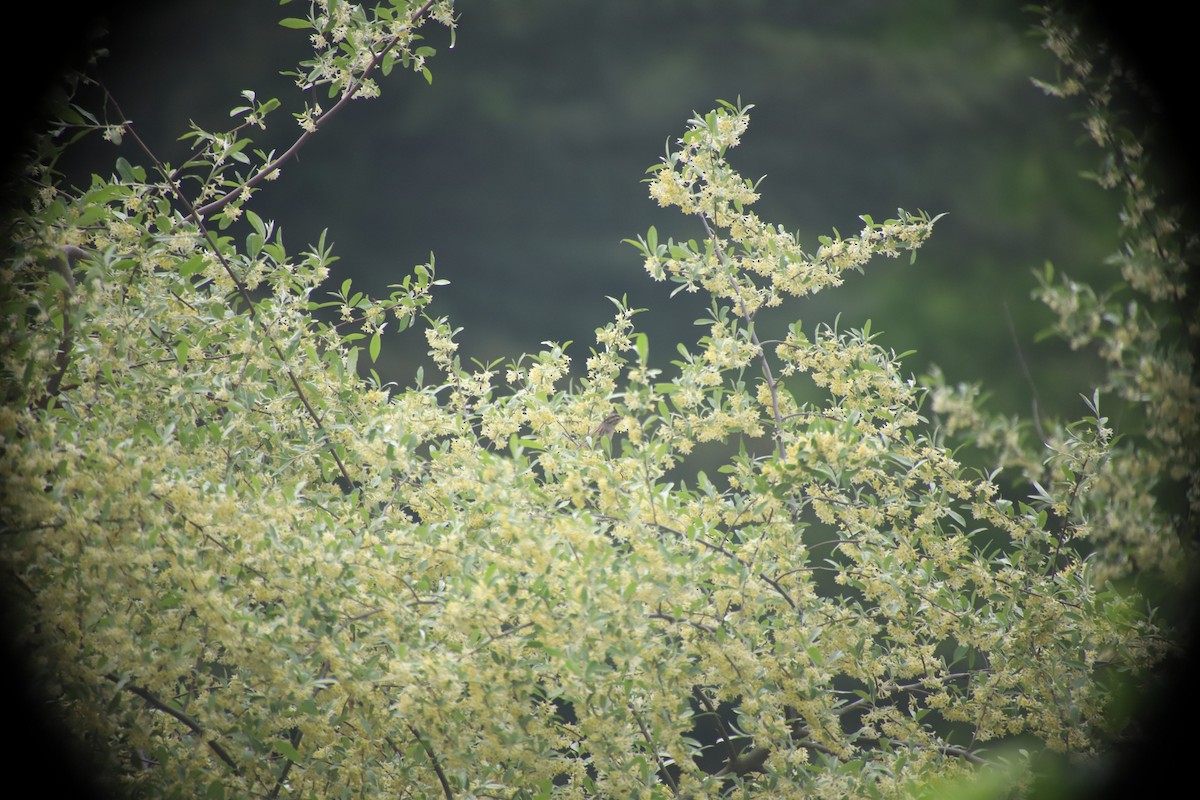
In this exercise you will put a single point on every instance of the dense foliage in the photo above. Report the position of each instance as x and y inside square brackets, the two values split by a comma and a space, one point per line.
[249, 569]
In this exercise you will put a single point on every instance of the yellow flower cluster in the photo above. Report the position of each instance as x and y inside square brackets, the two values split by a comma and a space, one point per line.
[697, 179]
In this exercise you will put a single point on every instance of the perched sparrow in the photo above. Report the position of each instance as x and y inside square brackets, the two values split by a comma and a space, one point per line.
[606, 427]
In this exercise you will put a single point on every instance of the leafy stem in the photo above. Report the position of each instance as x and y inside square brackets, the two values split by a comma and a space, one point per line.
[768, 376]
[348, 94]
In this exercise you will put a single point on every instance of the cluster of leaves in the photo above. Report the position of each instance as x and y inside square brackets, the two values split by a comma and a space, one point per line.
[249, 569]
[1145, 326]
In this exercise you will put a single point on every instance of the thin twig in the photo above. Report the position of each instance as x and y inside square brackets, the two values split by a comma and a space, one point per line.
[654, 750]
[499, 635]
[347, 95]
[725, 737]
[773, 583]
[772, 386]
[1034, 400]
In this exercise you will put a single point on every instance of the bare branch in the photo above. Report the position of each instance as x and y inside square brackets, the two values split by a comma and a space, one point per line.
[433, 759]
[154, 702]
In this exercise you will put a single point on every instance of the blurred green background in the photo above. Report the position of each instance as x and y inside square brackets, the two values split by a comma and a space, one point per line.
[521, 166]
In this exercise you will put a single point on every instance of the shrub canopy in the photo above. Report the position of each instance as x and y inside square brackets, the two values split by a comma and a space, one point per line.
[249, 569]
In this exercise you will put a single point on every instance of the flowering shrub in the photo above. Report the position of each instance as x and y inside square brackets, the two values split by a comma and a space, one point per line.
[249, 570]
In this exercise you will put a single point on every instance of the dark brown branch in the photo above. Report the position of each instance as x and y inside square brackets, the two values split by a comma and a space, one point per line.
[662, 767]
[154, 702]
[433, 759]
[294, 738]
[725, 737]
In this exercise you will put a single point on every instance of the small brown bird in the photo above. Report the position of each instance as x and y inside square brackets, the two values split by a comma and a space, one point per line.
[606, 427]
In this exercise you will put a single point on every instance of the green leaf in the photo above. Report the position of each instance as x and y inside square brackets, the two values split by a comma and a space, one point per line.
[191, 266]
[285, 749]
[254, 243]
[256, 222]
[376, 344]
[126, 171]
[295, 22]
